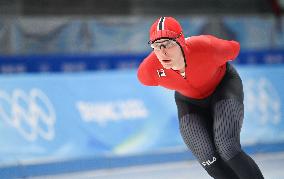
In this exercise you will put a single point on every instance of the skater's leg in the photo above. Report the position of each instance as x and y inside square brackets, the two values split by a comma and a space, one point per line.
[228, 119]
[199, 140]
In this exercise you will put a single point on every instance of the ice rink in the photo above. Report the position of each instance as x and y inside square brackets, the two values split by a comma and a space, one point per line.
[271, 165]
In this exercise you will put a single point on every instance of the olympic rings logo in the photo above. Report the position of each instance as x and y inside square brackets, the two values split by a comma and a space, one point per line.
[32, 114]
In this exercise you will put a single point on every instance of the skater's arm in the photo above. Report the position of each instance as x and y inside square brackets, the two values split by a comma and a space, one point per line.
[146, 72]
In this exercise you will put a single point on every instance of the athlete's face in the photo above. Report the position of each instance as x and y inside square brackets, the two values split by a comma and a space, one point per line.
[169, 54]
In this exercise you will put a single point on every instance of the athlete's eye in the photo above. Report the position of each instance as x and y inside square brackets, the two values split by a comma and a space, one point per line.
[166, 44]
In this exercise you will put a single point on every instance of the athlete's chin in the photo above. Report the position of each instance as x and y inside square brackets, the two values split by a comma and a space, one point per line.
[167, 66]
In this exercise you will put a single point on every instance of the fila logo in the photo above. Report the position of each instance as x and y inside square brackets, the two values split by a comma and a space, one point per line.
[161, 72]
[208, 162]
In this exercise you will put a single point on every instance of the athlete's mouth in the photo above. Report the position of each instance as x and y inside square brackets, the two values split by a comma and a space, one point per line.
[166, 61]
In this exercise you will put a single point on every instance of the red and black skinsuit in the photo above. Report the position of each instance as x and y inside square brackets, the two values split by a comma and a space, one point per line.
[209, 99]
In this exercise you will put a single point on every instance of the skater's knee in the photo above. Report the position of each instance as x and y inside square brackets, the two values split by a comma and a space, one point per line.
[228, 148]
